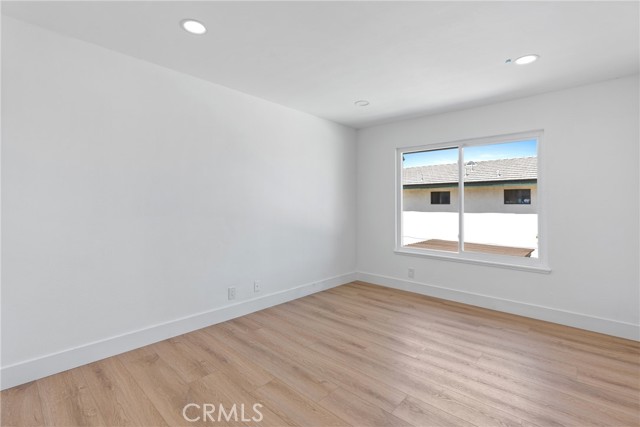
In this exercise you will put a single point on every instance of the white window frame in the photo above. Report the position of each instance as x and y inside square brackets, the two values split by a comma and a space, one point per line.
[539, 264]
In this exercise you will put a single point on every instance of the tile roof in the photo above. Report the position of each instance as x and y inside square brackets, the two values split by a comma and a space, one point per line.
[482, 171]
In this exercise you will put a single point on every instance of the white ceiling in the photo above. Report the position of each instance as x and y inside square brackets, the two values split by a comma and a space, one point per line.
[406, 58]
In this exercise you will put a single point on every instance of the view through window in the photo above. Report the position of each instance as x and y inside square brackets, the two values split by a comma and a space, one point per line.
[489, 207]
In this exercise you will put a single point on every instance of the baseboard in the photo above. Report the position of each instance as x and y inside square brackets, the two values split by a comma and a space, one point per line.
[50, 364]
[563, 317]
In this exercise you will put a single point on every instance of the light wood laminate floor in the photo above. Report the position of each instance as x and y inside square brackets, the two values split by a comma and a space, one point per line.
[358, 355]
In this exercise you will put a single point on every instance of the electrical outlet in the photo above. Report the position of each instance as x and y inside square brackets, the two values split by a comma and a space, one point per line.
[232, 293]
[411, 273]
[257, 286]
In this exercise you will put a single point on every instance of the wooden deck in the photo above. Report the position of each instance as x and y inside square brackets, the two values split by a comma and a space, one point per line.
[356, 355]
[452, 246]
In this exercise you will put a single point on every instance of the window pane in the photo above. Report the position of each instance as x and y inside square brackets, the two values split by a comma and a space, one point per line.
[430, 199]
[500, 190]
[517, 197]
[440, 197]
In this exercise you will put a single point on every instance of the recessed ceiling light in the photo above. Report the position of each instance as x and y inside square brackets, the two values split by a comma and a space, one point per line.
[527, 59]
[361, 103]
[194, 27]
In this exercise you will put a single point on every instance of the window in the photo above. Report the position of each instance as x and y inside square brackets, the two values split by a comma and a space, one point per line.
[440, 197]
[517, 197]
[485, 199]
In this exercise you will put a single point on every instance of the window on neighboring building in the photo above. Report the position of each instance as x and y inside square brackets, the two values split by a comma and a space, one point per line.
[440, 197]
[517, 197]
[470, 185]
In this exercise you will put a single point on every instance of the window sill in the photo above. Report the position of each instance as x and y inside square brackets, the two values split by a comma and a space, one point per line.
[535, 266]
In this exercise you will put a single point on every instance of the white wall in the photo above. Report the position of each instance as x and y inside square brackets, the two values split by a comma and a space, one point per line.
[590, 158]
[134, 195]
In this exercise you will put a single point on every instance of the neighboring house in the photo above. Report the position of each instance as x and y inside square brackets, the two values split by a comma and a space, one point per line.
[499, 186]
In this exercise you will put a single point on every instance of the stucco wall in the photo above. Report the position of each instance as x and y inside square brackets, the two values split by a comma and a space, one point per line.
[485, 199]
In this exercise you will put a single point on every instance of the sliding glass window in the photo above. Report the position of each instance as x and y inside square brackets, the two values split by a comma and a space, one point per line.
[475, 200]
